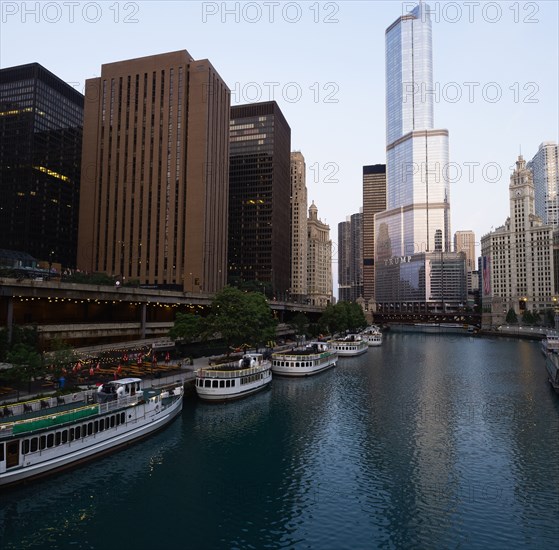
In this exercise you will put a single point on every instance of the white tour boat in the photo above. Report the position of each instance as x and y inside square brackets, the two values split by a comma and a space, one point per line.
[550, 344]
[372, 335]
[349, 346]
[41, 436]
[313, 358]
[234, 380]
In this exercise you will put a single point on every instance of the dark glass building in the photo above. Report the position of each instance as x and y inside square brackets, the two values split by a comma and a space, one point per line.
[259, 197]
[41, 122]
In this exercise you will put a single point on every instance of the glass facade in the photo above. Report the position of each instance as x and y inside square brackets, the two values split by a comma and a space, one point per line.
[41, 123]
[417, 216]
[259, 196]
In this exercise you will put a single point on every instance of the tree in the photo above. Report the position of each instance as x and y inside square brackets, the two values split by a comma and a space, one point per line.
[511, 318]
[300, 324]
[343, 316]
[187, 327]
[241, 318]
[528, 317]
[61, 357]
[27, 364]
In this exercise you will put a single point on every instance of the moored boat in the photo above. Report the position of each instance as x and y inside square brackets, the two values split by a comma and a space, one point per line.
[306, 361]
[42, 436]
[372, 335]
[552, 366]
[349, 346]
[550, 344]
[234, 380]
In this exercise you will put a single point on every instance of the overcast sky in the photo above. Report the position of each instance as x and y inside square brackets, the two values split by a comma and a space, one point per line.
[495, 66]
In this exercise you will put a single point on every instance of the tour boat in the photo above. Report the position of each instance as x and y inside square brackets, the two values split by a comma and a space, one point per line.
[552, 366]
[311, 359]
[349, 346]
[41, 436]
[372, 335]
[234, 380]
[550, 344]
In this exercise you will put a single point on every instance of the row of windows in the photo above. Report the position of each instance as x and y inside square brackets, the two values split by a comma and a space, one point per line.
[67, 435]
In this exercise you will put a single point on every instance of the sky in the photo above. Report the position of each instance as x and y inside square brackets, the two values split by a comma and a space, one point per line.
[495, 70]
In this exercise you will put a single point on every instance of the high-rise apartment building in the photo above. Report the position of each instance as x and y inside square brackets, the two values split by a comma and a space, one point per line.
[41, 124]
[344, 261]
[545, 170]
[299, 238]
[350, 258]
[413, 233]
[259, 197]
[465, 241]
[374, 202]
[155, 172]
[319, 280]
[517, 263]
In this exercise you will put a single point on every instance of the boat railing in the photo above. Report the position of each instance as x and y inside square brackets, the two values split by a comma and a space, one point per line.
[26, 425]
[214, 372]
[119, 403]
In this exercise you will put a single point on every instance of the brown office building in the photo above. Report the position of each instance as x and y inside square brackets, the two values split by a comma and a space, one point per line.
[259, 197]
[155, 169]
[374, 201]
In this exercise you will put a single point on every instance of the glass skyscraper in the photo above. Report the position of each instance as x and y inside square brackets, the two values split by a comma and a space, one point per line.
[414, 231]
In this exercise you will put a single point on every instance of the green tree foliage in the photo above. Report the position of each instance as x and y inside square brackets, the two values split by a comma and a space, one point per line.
[241, 318]
[550, 317]
[27, 363]
[511, 318]
[25, 335]
[528, 317]
[4, 346]
[343, 316]
[300, 324]
[61, 357]
[188, 327]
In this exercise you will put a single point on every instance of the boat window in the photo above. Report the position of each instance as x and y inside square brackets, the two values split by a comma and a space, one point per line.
[101, 425]
[122, 418]
[50, 440]
[78, 432]
[96, 426]
[43, 442]
[65, 436]
[1, 452]
[90, 428]
[72, 434]
[228, 383]
[34, 444]
[107, 423]
[214, 383]
[57, 438]
[208, 383]
[112, 421]
[222, 383]
[117, 419]
[25, 446]
[232, 383]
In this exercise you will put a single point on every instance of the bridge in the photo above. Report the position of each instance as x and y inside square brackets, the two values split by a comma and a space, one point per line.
[462, 317]
[88, 314]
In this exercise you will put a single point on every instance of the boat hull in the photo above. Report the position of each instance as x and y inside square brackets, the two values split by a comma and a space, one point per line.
[293, 371]
[92, 446]
[552, 366]
[220, 397]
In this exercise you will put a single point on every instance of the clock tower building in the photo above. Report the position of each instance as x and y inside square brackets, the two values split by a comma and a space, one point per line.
[518, 269]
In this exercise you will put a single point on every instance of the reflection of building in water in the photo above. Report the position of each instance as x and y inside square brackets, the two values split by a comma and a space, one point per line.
[417, 215]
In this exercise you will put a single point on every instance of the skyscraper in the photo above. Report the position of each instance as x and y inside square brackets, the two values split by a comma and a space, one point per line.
[465, 241]
[155, 172]
[41, 124]
[319, 280]
[413, 232]
[350, 258]
[518, 258]
[374, 202]
[259, 196]
[299, 238]
[545, 171]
